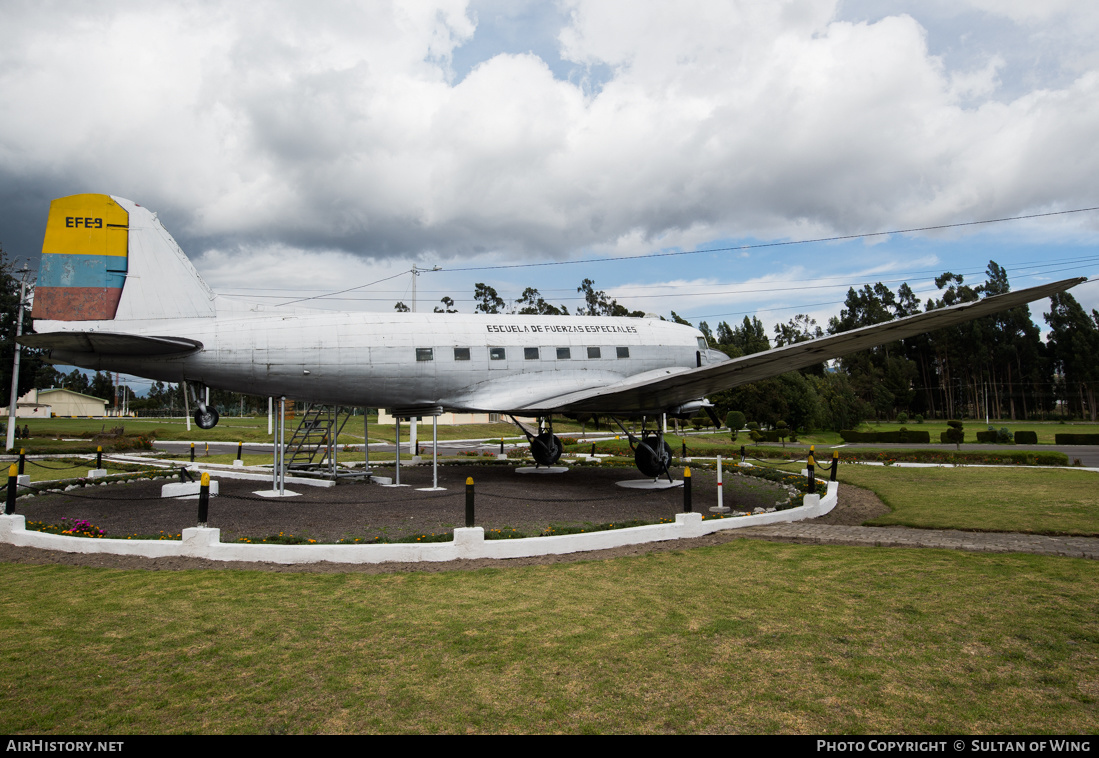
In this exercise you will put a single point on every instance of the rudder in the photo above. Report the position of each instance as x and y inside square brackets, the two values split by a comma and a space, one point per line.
[84, 260]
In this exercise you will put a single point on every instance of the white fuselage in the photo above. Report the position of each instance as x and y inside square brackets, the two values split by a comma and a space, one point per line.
[403, 360]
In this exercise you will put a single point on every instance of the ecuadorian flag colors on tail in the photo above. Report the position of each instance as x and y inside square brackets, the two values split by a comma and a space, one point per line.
[84, 260]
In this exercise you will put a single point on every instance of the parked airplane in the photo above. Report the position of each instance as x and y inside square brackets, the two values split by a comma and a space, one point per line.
[116, 293]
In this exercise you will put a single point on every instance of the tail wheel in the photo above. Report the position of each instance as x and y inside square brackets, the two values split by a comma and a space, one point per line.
[207, 419]
[651, 458]
[546, 449]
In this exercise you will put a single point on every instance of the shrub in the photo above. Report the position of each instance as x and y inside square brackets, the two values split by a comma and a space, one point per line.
[904, 436]
[919, 419]
[902, 418]
[1076, 439]
[735, 420]
[988, 436]
[1026, 438]
[954, 434]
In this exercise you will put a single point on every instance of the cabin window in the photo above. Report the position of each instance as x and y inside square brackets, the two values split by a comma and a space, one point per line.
[425, 354]
[461, 353]
[623, 352]
[702, 343]
[497, 354]
[564, 353]
[593, 352]
[530, 353]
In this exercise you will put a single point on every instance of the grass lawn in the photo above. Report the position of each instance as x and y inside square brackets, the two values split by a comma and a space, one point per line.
[248, 429]
[54, 469]
[749, 637]
[1041, 501]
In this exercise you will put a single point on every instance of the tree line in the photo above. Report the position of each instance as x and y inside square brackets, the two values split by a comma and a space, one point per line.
[997, 366]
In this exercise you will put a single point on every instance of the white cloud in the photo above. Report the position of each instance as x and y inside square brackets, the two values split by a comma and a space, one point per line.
[345, 129]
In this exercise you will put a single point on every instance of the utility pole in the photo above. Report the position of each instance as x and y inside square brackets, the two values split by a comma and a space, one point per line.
[15, 369]
[416, 271]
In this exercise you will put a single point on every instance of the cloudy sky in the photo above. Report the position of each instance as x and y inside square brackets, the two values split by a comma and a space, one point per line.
[297, 149]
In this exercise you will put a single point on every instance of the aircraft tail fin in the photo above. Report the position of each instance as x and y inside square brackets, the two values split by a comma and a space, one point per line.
[105, 258]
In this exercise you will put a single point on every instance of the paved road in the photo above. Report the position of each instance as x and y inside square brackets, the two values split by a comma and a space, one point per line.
[899, 536]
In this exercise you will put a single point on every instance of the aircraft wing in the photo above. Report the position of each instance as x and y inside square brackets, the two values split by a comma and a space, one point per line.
[110, 343]
[655, 394]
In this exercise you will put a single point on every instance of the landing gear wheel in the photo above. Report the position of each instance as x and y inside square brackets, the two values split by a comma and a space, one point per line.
[546, 449]
[207, 419]
[650, 459]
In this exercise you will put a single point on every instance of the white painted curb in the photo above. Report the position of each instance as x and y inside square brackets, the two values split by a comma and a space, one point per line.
[469, 543]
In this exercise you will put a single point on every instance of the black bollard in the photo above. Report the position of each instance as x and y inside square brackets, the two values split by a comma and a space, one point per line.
[593, 450]
[684, 443]
[13, 482]
[687, 490]
[99, 457]
[203, 498]
[811, 466]
[192, 452]
[469, 501]
[501, 446]
[22, 460]
[743, 455]
[240, 451]
[835, 465]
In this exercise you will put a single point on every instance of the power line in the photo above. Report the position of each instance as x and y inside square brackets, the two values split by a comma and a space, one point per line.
[760, 245]
[745, 288]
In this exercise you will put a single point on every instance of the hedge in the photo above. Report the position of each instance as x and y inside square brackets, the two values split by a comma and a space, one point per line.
[906, 437]
[1076, 439]
[1026, 438]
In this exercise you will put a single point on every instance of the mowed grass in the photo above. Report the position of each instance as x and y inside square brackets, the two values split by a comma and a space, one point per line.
[254, 429]
[54, 470]
[749, 637]
[1038, 501]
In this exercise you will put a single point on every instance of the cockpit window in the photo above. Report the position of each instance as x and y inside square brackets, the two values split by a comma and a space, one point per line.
[702, 343]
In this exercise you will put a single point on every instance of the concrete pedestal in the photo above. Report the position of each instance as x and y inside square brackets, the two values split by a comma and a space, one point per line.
[187, 490]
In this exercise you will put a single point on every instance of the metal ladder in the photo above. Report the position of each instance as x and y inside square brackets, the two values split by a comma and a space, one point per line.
[311, 451]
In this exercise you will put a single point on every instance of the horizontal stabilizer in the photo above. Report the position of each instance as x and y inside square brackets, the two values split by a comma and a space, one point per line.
[108, 343]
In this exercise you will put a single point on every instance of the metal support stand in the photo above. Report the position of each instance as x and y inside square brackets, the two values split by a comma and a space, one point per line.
[434, 458]
[278, 468]
[366, 442]
[281, 444]
[397, 476]
[720, 493]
